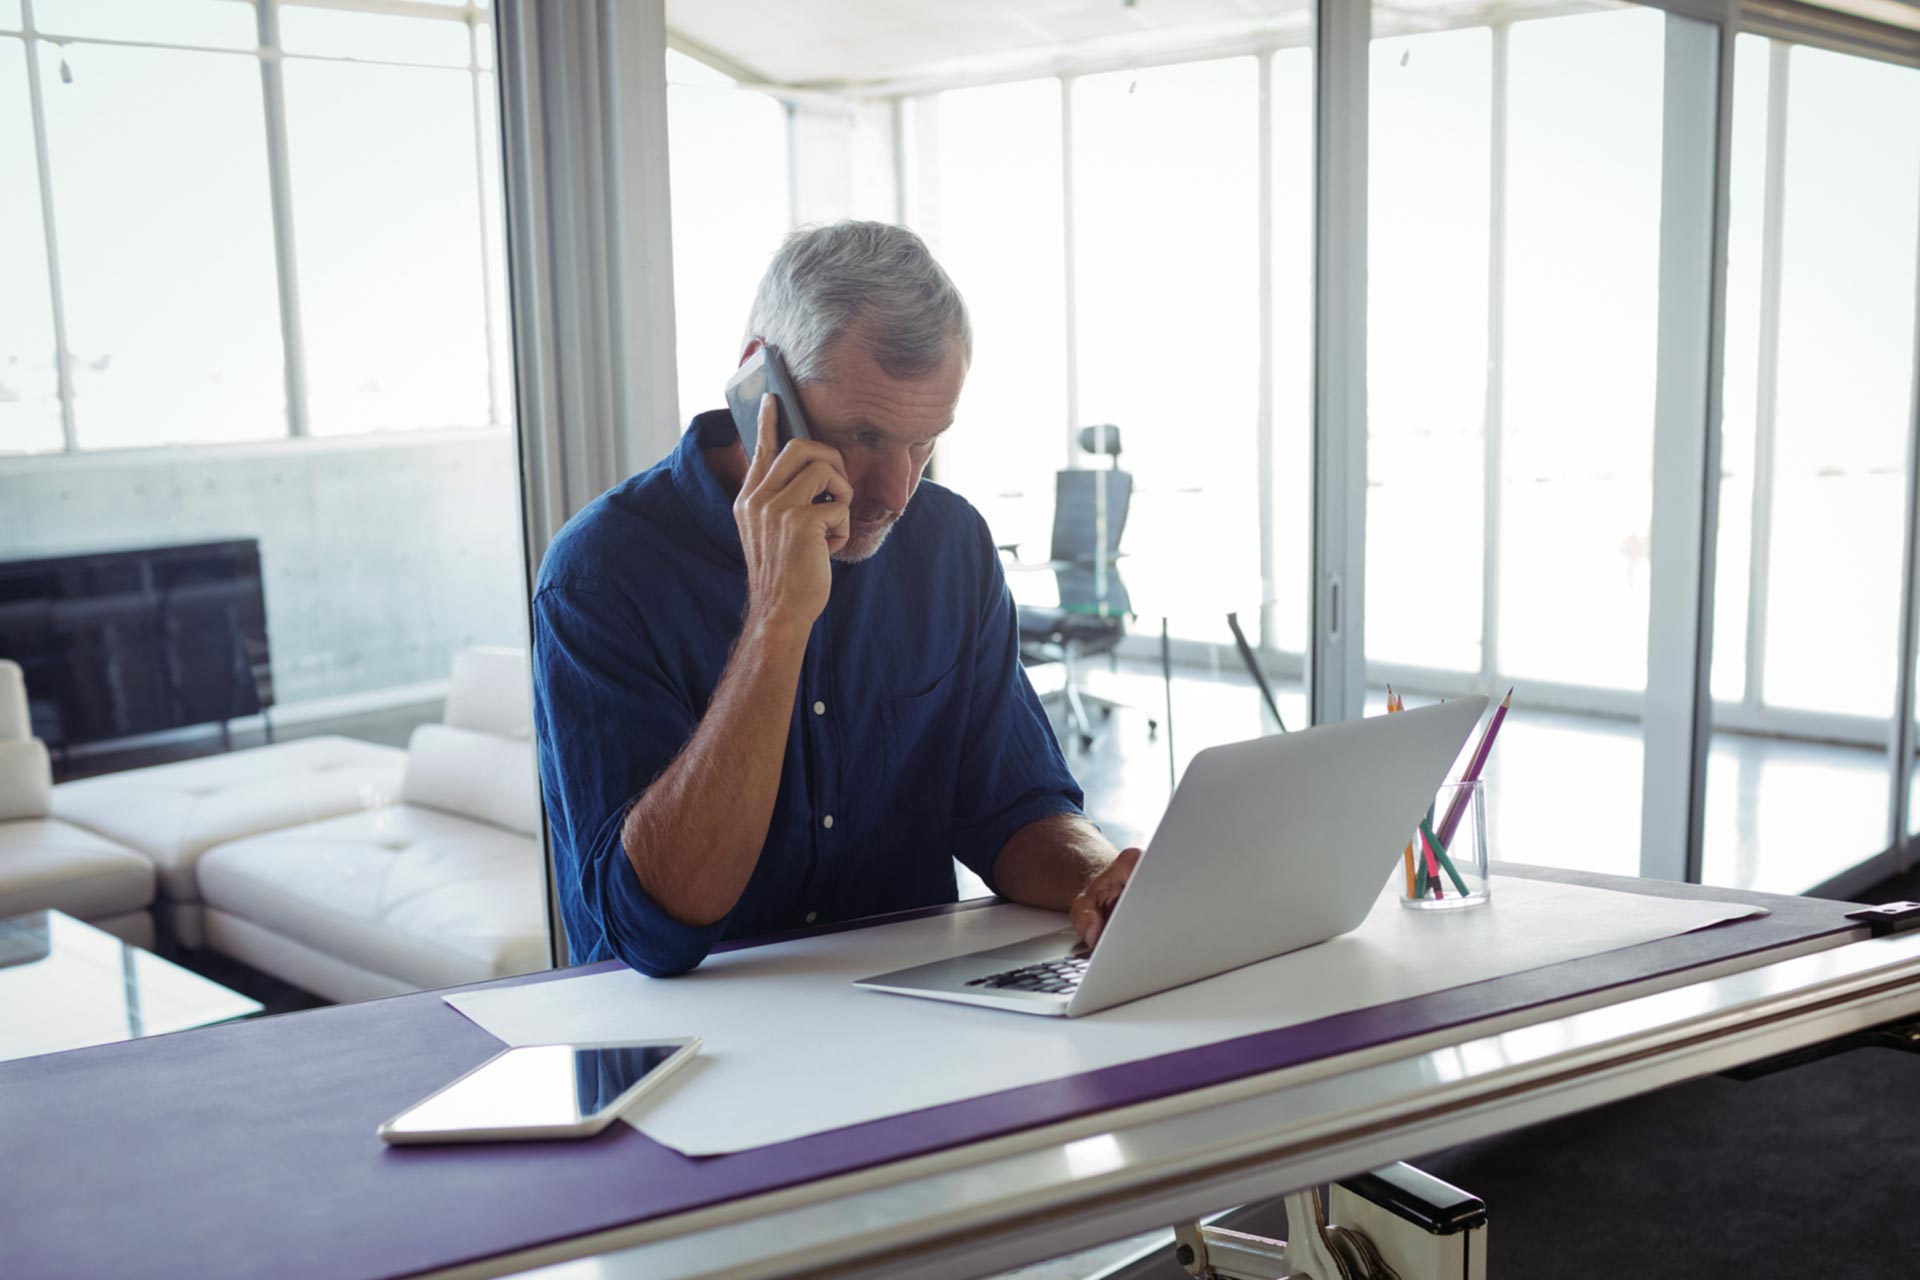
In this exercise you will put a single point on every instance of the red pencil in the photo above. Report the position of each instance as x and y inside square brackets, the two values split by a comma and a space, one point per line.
[1475, 764]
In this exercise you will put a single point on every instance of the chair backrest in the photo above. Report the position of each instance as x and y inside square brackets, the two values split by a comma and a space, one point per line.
[1076, 513]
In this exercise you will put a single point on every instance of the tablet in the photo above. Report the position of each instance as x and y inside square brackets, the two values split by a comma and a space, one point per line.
[542, 1091]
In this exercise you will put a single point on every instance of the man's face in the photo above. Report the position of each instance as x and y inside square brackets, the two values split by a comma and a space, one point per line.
[885, 428]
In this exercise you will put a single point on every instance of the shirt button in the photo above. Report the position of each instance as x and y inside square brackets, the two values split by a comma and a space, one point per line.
[819, 708]
[812, 916]
[827, 822]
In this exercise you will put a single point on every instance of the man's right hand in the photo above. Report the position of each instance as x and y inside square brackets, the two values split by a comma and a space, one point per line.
[788, 537]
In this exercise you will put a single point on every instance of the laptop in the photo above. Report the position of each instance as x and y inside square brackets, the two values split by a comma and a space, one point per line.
[1266, 847]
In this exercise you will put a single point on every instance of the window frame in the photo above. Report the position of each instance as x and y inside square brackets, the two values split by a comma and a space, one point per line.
[477, 17]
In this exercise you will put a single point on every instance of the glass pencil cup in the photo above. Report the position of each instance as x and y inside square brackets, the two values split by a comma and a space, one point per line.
[1444, 868]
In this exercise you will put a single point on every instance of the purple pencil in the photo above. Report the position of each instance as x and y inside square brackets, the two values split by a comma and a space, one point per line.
[1474, 765]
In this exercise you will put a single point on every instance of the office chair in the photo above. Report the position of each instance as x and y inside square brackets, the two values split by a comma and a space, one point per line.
[1089, 515]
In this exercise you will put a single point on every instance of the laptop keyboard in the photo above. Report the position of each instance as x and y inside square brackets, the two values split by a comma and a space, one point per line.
[1051, 977]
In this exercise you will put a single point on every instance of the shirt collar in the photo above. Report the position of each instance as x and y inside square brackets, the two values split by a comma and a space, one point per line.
[710, 503]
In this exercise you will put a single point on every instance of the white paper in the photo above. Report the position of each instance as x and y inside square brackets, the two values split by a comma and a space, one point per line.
[793, 1048]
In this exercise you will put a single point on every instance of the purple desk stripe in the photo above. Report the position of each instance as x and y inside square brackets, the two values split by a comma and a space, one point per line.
[249, 1149]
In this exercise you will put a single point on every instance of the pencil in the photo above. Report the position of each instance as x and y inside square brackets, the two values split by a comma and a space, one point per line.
[1477, 763]
[1438, 850]
[1394, 704]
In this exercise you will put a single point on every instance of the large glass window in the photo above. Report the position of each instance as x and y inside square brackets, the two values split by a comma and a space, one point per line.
[172, 316]
[731, 201]
[387, 210]
[995, 220]
[1582, 300]
[1166, 245]
[29, 380]
[1818, 396]
[1514, 318]
[1427, 284]
[1843, 382]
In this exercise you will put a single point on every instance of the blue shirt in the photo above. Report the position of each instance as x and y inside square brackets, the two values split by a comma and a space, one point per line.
[916, 738]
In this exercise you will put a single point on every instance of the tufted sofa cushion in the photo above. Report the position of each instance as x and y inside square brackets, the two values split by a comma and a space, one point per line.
[424, 897]
[47, 864]
[174, 813]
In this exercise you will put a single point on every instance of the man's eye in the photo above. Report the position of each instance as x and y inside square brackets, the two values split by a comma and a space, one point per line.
[867, 439]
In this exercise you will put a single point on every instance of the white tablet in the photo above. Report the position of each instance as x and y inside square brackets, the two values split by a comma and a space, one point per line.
[542, 1091]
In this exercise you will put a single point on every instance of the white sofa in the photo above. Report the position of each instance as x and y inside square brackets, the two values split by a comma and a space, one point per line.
[174, 813]
[49, 864]
[445, 885]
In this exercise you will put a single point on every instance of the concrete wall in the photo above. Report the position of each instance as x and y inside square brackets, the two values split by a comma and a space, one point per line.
[382, 555]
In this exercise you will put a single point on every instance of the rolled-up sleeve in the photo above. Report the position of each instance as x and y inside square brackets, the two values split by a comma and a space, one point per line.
[608, 722]
[1011, 769]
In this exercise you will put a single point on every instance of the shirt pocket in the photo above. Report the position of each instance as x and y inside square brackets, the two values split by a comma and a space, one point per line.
[924, 733]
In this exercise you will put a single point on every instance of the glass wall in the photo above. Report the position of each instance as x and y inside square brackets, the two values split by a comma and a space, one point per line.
[1514, 319]
[260, 508]
[992, 208]
[1819, 398]
[724, 231]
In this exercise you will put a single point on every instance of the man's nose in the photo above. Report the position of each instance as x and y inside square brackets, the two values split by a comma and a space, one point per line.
[893, 483]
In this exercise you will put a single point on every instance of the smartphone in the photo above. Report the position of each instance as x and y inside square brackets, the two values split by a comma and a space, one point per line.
[542, 1091]
[765, 371]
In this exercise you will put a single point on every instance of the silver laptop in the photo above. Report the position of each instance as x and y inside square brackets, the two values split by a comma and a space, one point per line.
[1266, 847]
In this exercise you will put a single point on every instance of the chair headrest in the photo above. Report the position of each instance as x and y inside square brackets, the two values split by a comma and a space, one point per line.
[1103, 438]
[15, 724]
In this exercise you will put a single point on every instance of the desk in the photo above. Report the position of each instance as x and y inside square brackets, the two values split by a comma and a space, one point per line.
[286, 1178]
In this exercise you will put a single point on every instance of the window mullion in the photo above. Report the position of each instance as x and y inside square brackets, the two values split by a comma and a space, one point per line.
[1067, 252]
[1494, 454]
[62, 357]
[273, 91]
[1773, 205]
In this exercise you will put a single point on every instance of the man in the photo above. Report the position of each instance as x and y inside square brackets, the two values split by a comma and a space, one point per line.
[758, 711]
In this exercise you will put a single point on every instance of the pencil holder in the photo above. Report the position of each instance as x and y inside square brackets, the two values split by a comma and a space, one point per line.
[1444, 868]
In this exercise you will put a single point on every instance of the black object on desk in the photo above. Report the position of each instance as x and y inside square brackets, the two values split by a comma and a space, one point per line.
[120, 642]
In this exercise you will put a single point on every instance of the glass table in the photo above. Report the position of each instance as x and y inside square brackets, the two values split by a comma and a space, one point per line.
[65, 984]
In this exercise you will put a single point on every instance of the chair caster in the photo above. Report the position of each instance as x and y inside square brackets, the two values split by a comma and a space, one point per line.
[1106, 713]
[1153, 730]
[1086, 742]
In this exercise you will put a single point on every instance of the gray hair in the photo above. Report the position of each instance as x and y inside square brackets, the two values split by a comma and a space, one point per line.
[872, 280]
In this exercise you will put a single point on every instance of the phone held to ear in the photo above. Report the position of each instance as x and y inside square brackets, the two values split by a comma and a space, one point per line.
[765, 371]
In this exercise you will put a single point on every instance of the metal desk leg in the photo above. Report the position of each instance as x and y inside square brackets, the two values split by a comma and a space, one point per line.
[1253, 668]
[1166, 680]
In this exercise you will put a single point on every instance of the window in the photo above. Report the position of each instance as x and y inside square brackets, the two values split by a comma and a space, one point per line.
[165, 136]
[1166, 253]
[29, 378]
[387, 232]
[161, 200]
[995, 221]
[1427, 283]
[725, 227]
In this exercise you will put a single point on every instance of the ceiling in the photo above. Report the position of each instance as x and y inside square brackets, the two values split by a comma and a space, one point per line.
[886, 45]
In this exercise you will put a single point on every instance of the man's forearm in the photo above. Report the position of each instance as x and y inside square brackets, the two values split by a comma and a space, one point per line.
[1050, 860]
[695, 834]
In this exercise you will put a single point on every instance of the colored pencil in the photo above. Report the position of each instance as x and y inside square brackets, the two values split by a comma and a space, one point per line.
[1439, 851]
[1433, 869]
[1475, 764]
[1394, 704]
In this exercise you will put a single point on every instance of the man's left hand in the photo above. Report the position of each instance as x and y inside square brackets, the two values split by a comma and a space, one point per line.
[1094, 904]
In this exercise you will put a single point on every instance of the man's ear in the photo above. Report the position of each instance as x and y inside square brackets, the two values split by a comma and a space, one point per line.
[753, 345]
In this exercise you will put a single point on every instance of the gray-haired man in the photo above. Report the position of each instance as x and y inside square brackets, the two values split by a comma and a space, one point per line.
[751, 717]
